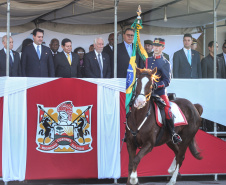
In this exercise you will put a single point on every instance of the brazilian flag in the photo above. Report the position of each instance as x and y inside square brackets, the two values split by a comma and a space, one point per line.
[131, 71]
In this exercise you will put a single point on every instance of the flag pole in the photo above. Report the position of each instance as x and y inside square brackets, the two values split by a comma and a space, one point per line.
[8, 36]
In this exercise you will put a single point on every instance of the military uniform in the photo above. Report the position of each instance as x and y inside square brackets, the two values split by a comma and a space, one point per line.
[164, 72]
[164, 54]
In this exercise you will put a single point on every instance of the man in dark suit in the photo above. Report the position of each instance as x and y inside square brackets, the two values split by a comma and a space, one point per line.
[208, 64]
[223, 56]
[124, 52]
[14, 59]
[97, 63]
[67, 63]
[54, 46]
[37, 59]
[109, 49]
[186, 62]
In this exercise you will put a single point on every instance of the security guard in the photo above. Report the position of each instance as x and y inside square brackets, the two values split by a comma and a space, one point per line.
[164, 72]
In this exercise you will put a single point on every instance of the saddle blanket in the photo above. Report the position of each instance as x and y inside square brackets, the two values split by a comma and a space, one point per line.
[179, 118]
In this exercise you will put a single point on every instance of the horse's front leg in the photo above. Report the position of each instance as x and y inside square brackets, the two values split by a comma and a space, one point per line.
[143, 151]
[132, 153]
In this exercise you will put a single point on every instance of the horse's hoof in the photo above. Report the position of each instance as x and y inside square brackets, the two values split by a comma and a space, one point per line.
[134, 181]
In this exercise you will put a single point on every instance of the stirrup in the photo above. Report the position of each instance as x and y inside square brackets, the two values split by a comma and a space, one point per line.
[176, 139]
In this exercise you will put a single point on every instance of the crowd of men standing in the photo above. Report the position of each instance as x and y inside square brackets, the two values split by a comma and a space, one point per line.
[38, 60]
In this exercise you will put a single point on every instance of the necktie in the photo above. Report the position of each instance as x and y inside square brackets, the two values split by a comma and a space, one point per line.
[189, 57]
[100, 65]
[129, 50]
[69, 58]
[38, 52]
[10, 59]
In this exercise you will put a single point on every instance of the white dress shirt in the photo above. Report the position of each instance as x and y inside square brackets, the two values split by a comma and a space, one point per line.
[40, 48]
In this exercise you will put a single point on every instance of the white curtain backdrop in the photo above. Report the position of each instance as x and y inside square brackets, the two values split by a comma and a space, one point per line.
[14, 140]
[108, 133]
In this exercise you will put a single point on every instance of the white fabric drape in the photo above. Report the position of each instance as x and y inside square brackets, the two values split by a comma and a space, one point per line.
[208, 92]
[10, 85]
[108, 133]
[14, 140]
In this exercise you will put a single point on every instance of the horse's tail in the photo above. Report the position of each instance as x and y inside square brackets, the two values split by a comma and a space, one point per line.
[194, 149]
[199, 108]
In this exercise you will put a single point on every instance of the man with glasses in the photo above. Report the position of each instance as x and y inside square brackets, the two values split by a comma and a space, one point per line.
[208, 64]
[223, 56]
[109, 49]
[124, 52]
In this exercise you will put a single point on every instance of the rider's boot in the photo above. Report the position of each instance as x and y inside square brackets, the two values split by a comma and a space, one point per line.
[175, 137]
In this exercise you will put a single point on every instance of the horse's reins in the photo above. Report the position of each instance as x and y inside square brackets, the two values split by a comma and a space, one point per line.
[134, 134]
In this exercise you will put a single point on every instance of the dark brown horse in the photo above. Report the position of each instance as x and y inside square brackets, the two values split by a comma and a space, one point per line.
[149, 131]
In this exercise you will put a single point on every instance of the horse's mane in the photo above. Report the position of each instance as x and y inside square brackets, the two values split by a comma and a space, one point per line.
[151, 73]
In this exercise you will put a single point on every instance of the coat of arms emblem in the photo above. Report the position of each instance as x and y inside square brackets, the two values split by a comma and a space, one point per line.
[64, 129]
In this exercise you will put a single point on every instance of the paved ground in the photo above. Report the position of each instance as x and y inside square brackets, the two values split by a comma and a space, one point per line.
[183, 180]
[221, 182]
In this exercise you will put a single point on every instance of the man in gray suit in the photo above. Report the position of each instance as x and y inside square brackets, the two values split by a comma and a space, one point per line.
[186, 62]
[208, 64]
[223, 56]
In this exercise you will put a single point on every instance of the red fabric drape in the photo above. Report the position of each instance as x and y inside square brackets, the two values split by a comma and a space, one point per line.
[60, 166]
[1, 124]
[158, 161]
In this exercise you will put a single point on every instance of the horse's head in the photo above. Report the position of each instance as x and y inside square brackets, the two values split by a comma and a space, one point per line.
[145, 82]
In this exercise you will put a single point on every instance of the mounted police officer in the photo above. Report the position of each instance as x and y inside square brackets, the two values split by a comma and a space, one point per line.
[164, 72]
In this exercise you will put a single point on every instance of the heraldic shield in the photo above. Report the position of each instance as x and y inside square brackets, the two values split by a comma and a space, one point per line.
[64, 129]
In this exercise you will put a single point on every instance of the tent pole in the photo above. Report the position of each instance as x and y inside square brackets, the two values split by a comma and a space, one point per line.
[204, 41]
[115, 39]
[215, 37]
[8, 32]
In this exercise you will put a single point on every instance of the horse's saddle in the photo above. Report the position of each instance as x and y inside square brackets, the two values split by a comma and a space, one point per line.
[179, 118]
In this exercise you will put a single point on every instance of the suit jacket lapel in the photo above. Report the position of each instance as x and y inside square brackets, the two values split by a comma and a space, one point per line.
[95, 59]
[36, 54]
[192, 57]
[104, 64]
[183, 55]
[65, 58]
[125, 50]
[43, 53]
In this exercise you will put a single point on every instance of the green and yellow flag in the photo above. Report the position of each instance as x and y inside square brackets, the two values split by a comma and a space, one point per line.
[131, 71]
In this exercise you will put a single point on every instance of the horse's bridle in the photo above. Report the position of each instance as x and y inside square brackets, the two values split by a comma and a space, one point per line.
[148, 96]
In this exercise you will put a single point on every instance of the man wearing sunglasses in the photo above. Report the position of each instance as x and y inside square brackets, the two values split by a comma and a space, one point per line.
[223, 56]
[124, 52]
